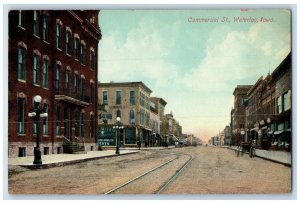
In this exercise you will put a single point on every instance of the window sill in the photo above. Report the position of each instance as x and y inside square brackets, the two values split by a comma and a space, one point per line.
[36, 85]
[21, 80]
[38, 37]
[21, 134]
[60, 49]
[46, 42]
[21, 27]
[45, 135]
[45, 88]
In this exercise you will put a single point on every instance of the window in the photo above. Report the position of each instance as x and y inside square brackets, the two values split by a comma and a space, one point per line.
[76, 85]
[91, 125]
[68, 42]
[58, 35]
[21, 18]
[131, 117]
[76, 51]
[35, 23]
[118, 113]
[131, 97]
[92, 19]
[68, 82]
[82, 124]
[45, 28]
[278, 105]
[21, 63]
[45, 120]
[82, 53]
[22, 152]
[21, 116]
[45, 74]
[35, 69]
[286, 101]
[76, 124]
[82, 81]
[105, 98]
[92, 59]
[46, 150]
[58, 77]
[92, 91]
[118, 97]
[57, 129]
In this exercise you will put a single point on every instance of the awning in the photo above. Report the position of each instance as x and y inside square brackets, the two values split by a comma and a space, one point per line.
[254, 129]
[270, 132]
[278, 132]
[159, 136]
[264, 127]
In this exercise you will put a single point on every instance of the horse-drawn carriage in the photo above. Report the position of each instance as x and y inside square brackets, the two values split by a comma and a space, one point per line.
[246, 147]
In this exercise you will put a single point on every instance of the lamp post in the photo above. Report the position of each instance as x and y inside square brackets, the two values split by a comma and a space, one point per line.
[117, 127]
[36, 114]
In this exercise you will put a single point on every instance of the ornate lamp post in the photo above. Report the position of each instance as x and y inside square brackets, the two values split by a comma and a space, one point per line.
[36, 114]
[117, 127]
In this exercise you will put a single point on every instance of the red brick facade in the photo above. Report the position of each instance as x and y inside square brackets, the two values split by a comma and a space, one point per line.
[42, 35]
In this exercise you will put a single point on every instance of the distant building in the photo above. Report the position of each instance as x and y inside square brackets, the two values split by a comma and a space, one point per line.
[227, 136]
[238, 113]
[52, 53]
[131, 102]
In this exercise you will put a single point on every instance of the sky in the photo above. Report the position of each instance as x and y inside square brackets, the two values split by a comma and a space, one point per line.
[193, 59]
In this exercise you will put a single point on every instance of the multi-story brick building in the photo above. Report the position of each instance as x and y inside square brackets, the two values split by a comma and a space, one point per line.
[282, 77]
[131, 102]
[238, 113]
[52, 54]
[160, 105]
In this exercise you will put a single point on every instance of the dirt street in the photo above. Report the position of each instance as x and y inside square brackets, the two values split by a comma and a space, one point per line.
[212, 171]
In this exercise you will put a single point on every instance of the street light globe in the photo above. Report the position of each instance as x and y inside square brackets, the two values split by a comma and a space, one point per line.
[118, 119]
[37, 98]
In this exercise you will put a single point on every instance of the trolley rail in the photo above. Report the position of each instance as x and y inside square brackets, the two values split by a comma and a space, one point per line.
[165, 185]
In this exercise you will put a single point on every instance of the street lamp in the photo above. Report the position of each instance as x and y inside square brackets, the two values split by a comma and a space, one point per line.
[117, 127]
[36, 114]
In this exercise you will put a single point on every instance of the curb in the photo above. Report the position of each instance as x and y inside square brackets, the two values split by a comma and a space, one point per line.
[65, 163]
[268, 159]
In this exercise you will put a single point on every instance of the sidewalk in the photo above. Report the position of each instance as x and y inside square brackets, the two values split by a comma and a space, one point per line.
[281, 157]
[54, 160]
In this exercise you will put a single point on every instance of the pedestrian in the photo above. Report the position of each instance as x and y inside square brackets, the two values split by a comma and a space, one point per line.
[139, 144]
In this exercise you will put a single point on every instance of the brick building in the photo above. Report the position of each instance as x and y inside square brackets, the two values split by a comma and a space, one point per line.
[282, 77]
[238, 113]
[131, 102]
[52, 54]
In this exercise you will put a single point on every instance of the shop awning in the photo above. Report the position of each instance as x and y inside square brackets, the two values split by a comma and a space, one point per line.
[278, 132]
[264, 127]
[254, 129]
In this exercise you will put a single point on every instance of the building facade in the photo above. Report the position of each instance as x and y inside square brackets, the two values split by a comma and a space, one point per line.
[238, 113]
[131, 102]
[227, 136]
[52, 54]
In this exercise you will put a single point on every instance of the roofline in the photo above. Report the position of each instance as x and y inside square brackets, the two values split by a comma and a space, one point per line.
[255, 85]
[241, 87]
[118, 84]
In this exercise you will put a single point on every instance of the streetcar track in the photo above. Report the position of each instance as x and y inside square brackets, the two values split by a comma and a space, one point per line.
[172, 179]
[165, 185]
